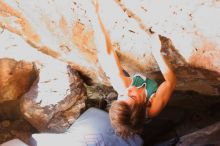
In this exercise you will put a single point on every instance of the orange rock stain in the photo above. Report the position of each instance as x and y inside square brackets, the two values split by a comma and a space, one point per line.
[206, 57]
[26, 30]
[49, 51]
[63, 25]
[84, 41]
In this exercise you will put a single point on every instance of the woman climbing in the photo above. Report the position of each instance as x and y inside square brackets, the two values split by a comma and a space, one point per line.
[138, 96]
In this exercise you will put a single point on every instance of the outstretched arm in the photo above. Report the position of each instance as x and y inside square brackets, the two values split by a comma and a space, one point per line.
[107, 55]
[164, 91]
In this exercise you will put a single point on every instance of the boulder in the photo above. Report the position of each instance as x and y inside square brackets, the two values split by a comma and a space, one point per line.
[55, 99]
[16, 77]
[63, 30]
[206, 136]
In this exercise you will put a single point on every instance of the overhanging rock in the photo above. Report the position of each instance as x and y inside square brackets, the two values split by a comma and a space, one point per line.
[63, 31]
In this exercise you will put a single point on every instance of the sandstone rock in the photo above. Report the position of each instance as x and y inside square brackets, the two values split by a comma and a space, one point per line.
[190, 30]
[100, 96]
[16, 77]
[56, 98]
[5, 124]
[206, 136]
[19, 128]
[10, 110]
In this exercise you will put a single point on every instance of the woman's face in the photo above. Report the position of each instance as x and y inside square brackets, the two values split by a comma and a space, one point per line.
[136, 94]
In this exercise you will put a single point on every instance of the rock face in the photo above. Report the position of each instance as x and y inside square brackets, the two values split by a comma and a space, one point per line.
[55, 99]
[205, 136]
[63, 30]
[18, 128]
[16, 77]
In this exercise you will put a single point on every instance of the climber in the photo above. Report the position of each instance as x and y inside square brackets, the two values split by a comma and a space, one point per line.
[138, 96]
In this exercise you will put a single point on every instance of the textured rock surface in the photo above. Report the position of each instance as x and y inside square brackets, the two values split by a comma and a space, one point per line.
[19, 128]
[206, 136]
[55, 99]
[63, 31]
[16, 77]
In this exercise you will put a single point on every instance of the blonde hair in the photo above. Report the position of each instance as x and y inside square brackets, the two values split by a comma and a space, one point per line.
[127, 120]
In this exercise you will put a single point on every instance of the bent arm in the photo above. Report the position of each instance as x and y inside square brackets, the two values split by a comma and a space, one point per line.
[108, 58]
[164, 91]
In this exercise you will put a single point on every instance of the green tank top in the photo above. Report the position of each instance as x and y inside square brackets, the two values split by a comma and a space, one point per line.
[150, 85]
